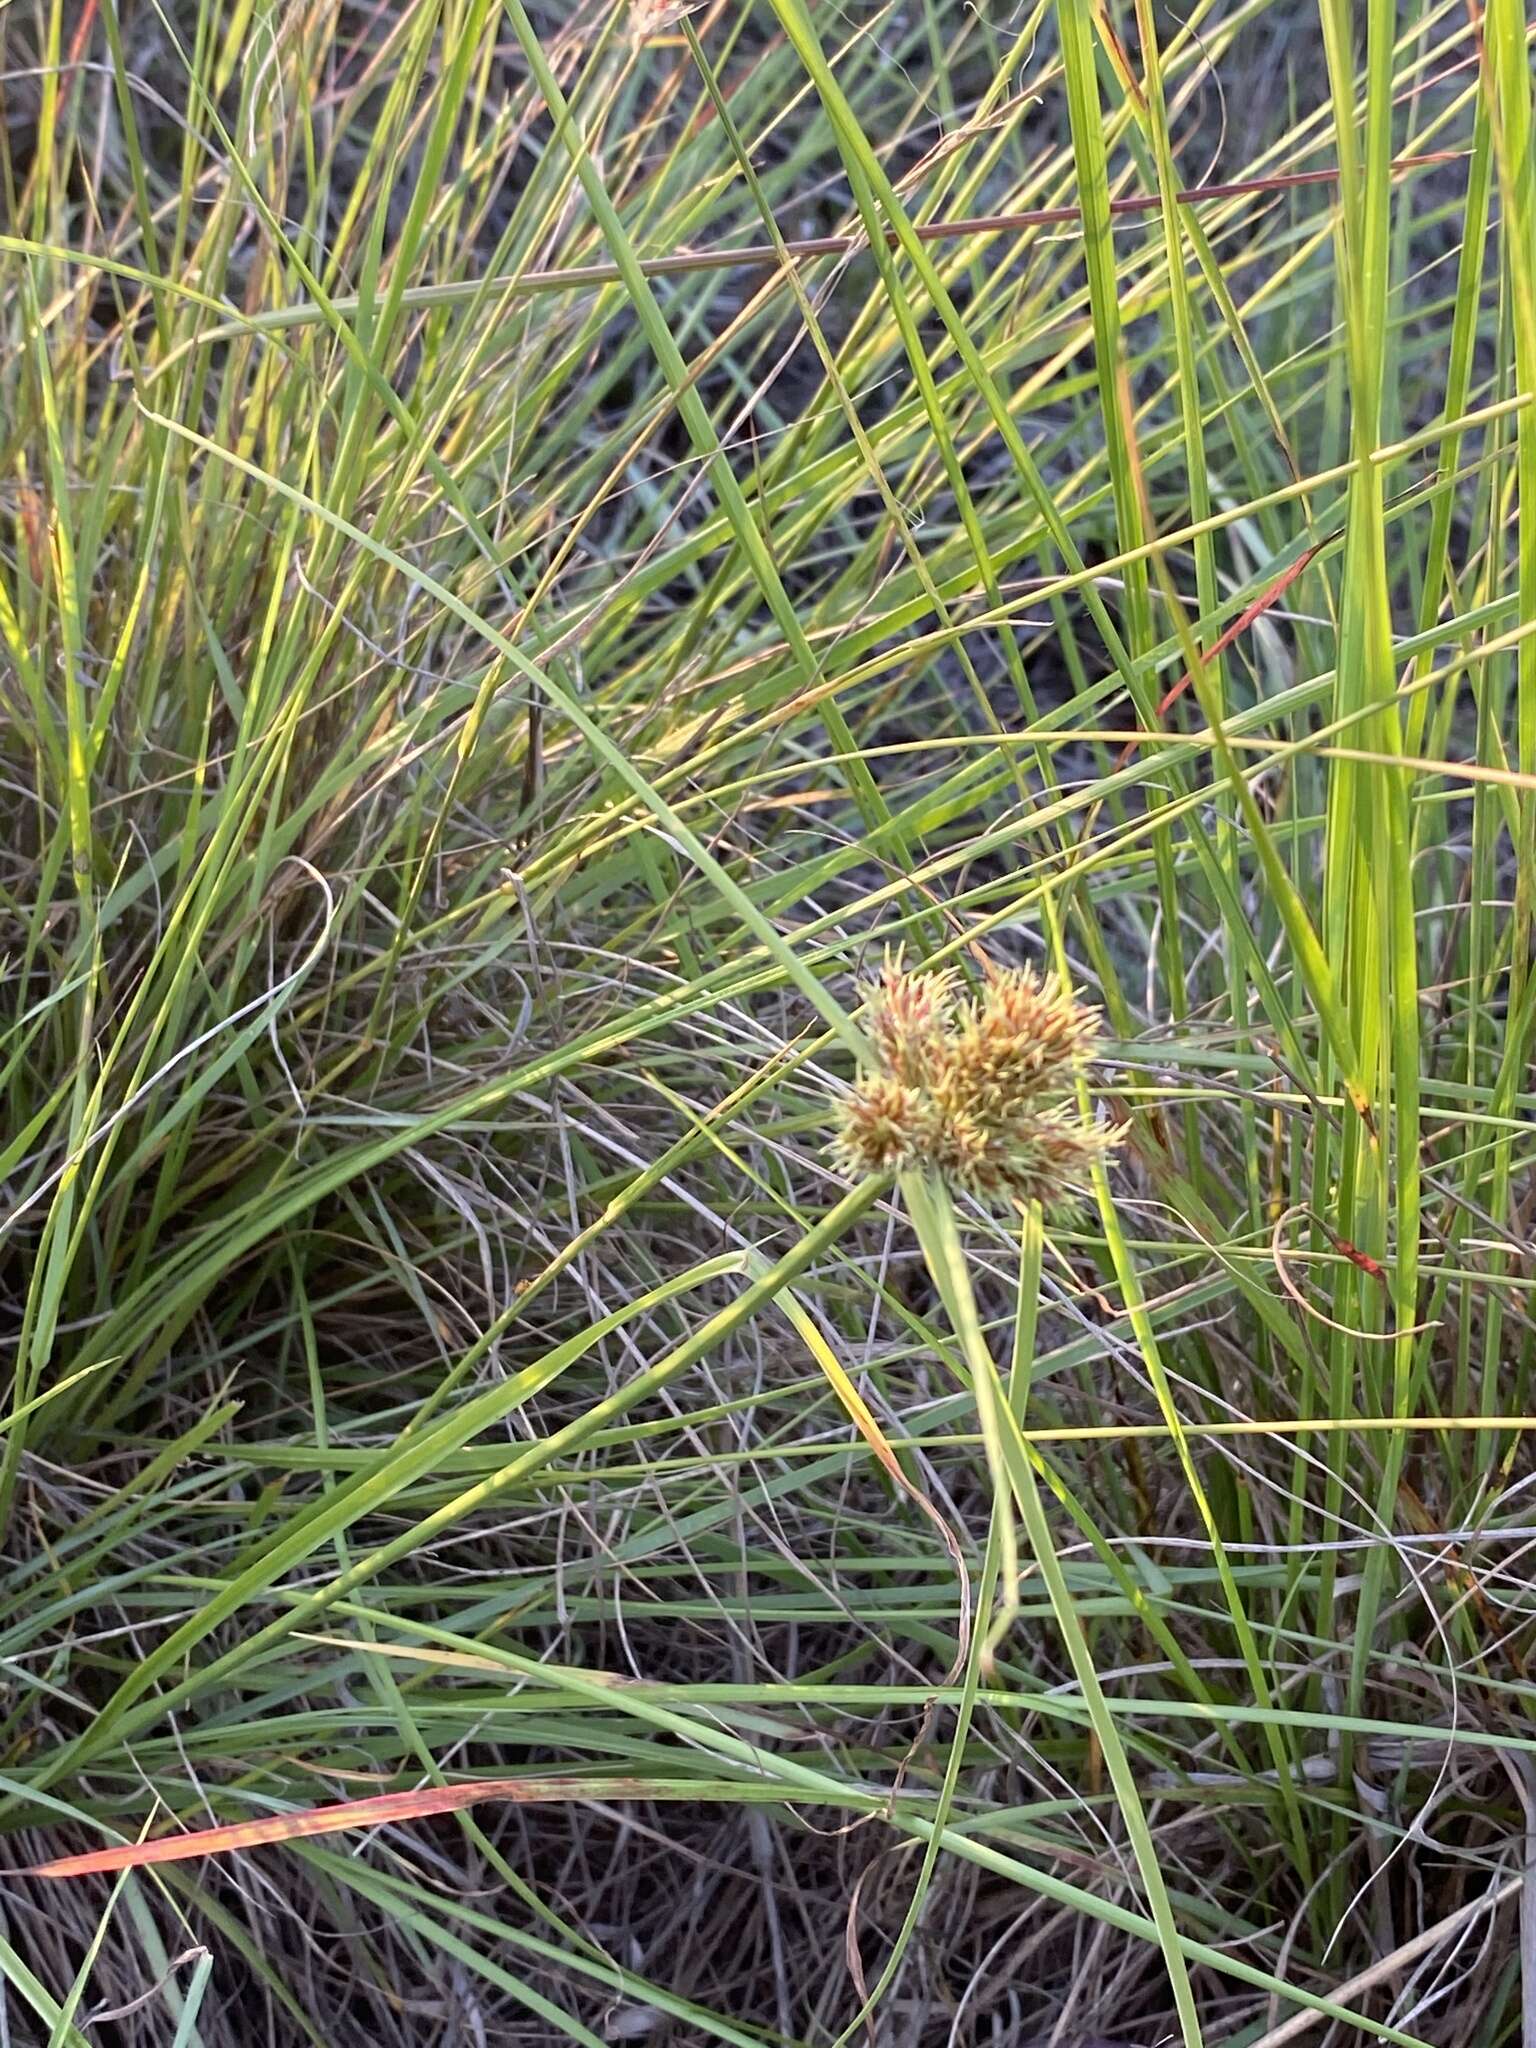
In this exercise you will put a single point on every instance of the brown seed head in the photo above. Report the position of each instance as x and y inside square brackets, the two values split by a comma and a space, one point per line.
[908, 1018]
[972, 1089]
[881, 1128]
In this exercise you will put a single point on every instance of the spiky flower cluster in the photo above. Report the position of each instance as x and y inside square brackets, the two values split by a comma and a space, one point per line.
[973, 1088]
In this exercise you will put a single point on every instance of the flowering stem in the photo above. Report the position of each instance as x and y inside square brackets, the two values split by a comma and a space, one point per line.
[1013, 1477]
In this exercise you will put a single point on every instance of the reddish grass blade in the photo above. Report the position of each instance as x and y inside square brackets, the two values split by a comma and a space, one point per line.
[341, 1819]
[1261, 604]
[765, 255]
[78, 40]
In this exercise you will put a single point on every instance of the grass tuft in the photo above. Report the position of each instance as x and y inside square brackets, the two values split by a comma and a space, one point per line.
[580, 1460]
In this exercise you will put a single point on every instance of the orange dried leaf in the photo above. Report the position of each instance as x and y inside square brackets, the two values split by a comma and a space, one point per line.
[338, 1819]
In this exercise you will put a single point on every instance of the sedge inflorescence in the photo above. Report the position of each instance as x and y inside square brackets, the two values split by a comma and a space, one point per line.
[973, 1088]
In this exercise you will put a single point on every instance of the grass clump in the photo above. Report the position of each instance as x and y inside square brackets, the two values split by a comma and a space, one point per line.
[535, 540]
